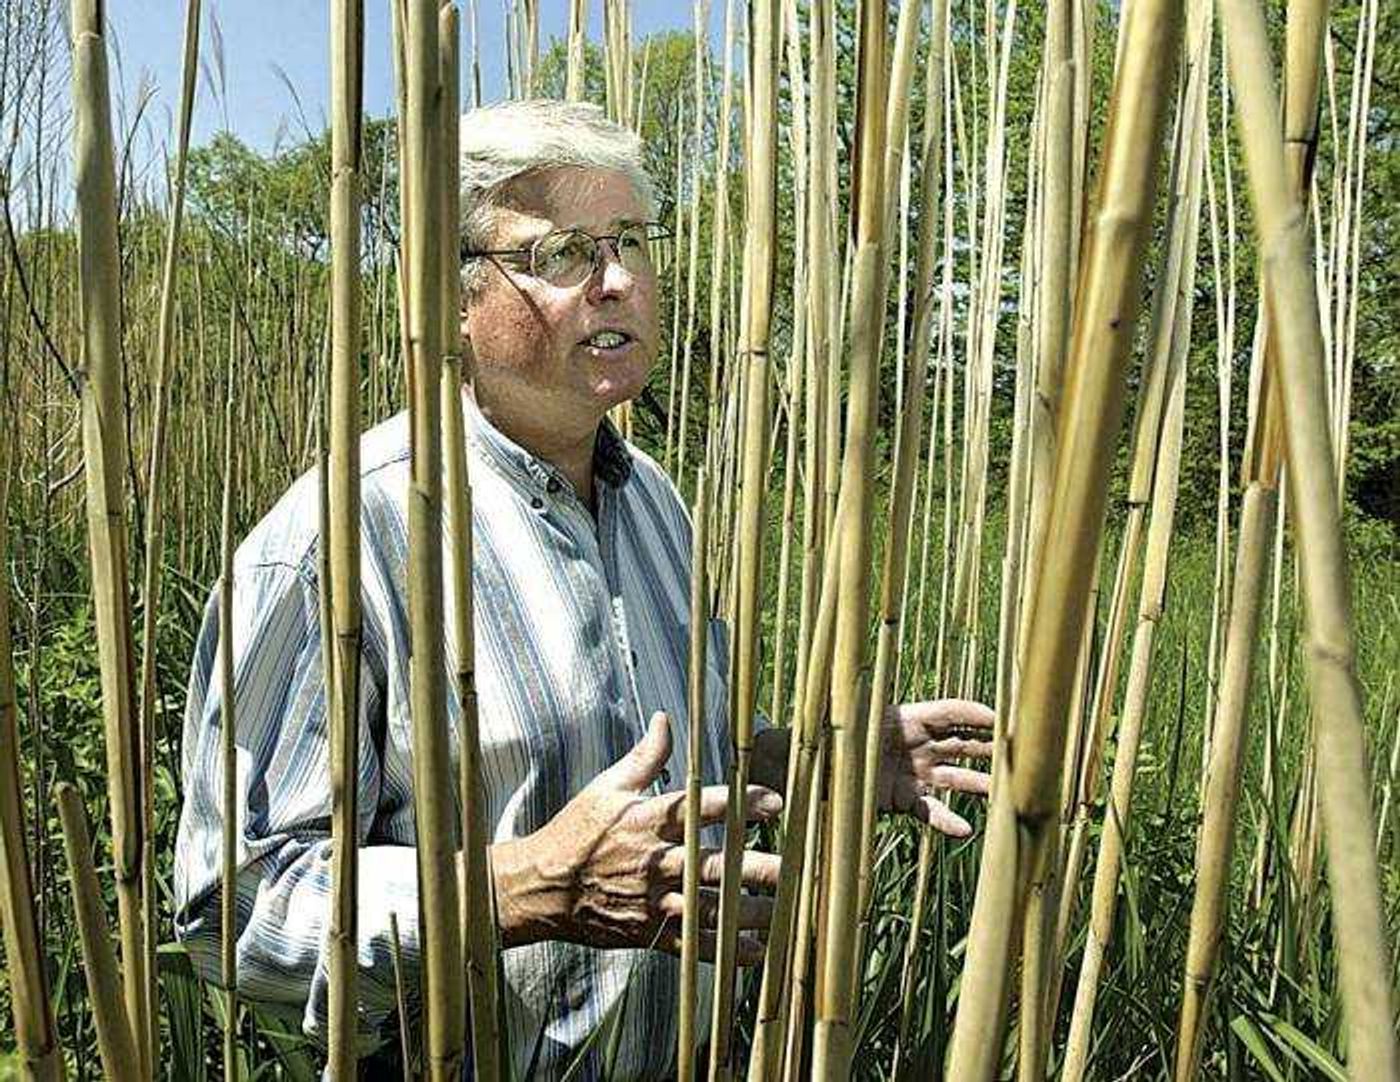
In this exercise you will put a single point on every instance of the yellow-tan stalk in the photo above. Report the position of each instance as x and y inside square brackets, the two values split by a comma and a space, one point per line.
[909, 432]
[228, 741]
[798, 386]
[1151, 607]
[791, 926]
[833, 1041]
[36, 1040]
[477, 904]
[761, 162]
[115, 1043]
[104, 452]
[1258, 511]
[444, 995]
[1340, 742]
[719, 256]
[1020, 829]
[686, 1030]
[692, 275]
[155, 517]
[341, 651]
[578, 37]
[1171, 315]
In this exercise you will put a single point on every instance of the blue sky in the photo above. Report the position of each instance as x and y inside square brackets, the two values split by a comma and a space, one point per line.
[262, 36]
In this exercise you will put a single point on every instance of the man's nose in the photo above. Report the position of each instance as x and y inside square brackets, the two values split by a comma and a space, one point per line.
[611, 276]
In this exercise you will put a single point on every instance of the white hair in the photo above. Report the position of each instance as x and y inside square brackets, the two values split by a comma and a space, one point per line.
[509, 142]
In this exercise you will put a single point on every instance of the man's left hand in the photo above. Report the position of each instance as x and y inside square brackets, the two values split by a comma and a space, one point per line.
[919, 747]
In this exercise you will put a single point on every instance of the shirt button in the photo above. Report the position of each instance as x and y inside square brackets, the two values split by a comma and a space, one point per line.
[552, 487]
[537, 503]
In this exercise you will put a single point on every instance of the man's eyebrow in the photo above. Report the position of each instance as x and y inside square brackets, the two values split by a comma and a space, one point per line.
[612, 226]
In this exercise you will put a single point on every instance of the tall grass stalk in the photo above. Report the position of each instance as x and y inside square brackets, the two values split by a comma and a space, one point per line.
[1363, 953]
[444, 978]
[1104, 318]
[105, 457]
[833, 1039]
[155, 520]
[36, 1040]
[686, 1030]
[759, 264]
[115, 1036]
[341, 651]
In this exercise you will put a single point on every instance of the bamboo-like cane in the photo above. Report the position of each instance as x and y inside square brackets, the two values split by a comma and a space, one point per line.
[719, 249]
[115, 1043]
[909, 431]
[578, 30]
[686, 1032]
[1151, 607]
[228, 742]
[35, 1037]
[444, 978]
[1364, 956]
[104, 449]
[1172, 305]
[1220, 791]
[701, 15]
[341, 651]
[759, 261]
[788, 929]
[798, 385]
[833, 1044]
[155, 532]
[490, 1059]
[1103, 325]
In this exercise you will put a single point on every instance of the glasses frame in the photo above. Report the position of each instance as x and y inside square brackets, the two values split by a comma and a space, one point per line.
[529, 254]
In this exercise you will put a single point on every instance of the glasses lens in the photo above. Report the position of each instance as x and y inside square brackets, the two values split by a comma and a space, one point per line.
[639, 246]
[565, 258]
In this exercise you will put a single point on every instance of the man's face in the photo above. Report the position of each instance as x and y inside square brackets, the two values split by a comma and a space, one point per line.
[531, 339]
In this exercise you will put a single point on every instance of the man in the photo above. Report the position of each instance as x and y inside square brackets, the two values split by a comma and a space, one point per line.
[582, 558]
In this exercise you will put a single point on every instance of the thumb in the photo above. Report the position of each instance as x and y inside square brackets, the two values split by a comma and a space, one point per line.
[640, 766]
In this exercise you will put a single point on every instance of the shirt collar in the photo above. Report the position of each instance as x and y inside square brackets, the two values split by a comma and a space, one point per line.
[612, 462]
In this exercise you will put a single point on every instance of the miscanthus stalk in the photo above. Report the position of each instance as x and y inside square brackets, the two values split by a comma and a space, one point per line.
[35, 1038]
[341, 543]
[105, 457]
[444, 999]
[1026, 800]
[1360, 927]
[759, 255]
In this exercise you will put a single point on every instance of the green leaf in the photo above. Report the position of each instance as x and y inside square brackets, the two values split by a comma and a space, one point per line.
[1249, 1035]
[1306, 1049]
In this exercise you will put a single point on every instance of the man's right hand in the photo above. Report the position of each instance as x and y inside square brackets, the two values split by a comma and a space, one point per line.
[608, 869]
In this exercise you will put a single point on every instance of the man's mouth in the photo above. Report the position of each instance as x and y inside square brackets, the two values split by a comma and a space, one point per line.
[609, 340]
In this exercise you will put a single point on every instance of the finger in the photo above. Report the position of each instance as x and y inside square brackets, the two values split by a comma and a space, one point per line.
[958, 778]
[940, 717]
[956, 747]
[640, 766]
[755, 911]
[750, 950]
[758, 871]
[942, 818]
[760, 805]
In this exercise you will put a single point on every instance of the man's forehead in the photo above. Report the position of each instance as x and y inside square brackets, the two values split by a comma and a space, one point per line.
[568, 198]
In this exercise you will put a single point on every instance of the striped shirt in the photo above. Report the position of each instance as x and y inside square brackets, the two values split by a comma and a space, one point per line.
[581, 633]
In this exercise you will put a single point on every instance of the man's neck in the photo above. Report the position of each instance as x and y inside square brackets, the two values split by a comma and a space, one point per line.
[569, 448]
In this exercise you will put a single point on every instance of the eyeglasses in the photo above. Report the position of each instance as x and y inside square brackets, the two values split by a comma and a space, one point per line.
[569, 257]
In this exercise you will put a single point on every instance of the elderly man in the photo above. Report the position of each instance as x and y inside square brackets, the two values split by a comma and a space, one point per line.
[582, 615]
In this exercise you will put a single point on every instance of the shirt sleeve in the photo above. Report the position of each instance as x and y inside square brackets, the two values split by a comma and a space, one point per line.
[283, 809]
